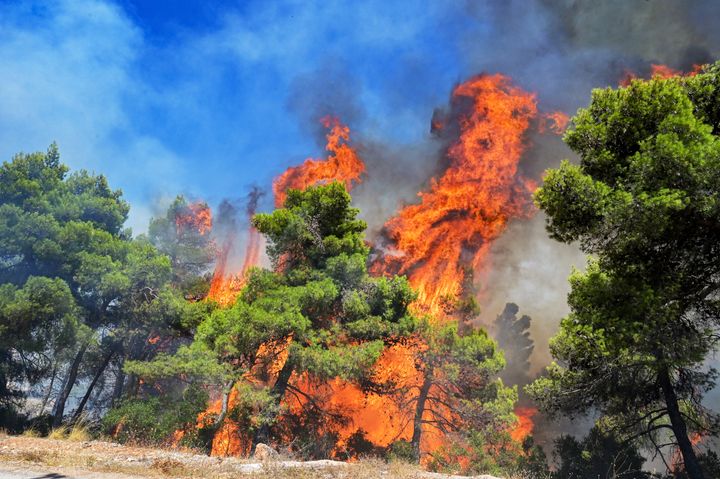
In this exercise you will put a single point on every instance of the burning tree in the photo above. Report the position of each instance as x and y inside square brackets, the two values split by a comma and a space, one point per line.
[318, 315]
[459, 394]
[644, 316]
[183, 234]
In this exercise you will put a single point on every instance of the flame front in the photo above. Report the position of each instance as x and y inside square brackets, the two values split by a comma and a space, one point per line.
[525, 423]
[451, 228]
[342, 164]
[438, 243]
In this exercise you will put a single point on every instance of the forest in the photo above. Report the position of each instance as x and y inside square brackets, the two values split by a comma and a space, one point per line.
[148, 339]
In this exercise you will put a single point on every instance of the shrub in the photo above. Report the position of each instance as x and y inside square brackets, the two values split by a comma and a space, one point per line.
[401, 451]
[153, 420]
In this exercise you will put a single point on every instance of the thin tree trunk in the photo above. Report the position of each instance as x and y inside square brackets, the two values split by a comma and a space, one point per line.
[90, 388]
[119, 382]
[419, 410]
[209, 434]
[50, 388]
[262, 435]
[59, 411]
[692, 466]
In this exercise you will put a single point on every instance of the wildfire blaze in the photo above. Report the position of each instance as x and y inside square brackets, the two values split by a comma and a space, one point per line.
[438, 242]
[449, 231]
[659, 71]
[196, 216]
[342, 164]
[225, 286]
[525, 423]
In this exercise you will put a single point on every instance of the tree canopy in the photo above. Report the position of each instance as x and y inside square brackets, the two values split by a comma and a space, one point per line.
[644, 201]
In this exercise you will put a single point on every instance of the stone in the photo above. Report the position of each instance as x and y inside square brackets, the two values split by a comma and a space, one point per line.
[263, 452]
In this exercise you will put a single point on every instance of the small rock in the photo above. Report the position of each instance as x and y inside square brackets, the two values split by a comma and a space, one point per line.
[263, 452]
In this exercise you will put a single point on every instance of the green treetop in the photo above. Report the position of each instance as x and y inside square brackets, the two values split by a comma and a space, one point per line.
[645, 202]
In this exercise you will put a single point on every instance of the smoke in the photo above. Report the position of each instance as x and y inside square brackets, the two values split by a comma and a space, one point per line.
[559, 49]
[329, 90]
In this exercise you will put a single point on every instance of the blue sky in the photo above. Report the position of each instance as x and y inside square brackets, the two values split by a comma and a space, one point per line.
[207, 98]
[183, 97]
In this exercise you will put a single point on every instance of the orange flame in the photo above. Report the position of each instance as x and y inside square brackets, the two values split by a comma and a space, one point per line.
[659, 71]
[342, 164]
[436, 242]
[224, 288]
[197, 216]
[470, 205]
[525, 423]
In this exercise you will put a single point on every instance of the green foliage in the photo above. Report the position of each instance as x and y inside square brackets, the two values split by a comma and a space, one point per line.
[319, 307]
[73, 282]
[401, 450]
[598, 454]
[645, 202]
[189, 247]
[153, 420]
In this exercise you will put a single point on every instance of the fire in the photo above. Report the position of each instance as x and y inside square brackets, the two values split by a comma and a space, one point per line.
[342, 164]
[451, 228]
[525, 424]
[196, 217]
[224, 288]
[559, 122]
[660, 71]
[438, 243]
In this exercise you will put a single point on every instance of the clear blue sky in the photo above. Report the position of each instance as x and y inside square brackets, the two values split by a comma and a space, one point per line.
[206, 98]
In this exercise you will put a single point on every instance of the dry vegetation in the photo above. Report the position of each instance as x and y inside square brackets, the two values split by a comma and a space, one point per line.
[67, 456]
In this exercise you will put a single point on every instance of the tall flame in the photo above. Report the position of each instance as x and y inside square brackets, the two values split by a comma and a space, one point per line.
[451, 228]
[437, 242]
[224, 286]
[342, 164]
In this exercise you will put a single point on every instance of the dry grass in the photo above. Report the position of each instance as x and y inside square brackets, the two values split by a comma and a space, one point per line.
[58, 433]
[31, 432]
[104, 457]
[79, 433]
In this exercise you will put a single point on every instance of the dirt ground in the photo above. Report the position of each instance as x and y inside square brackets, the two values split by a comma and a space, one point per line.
[28, 457]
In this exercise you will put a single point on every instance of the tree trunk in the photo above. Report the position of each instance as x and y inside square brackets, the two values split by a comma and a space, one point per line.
[418, 421]
[59, 410]
[692, 466]
[90, 388]
[208, 435]
[50, 388]
[262, 435]
[119, 382]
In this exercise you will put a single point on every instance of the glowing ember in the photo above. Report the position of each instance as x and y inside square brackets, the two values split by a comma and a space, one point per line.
[342, 164]
[451, 228]
[196, 217]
